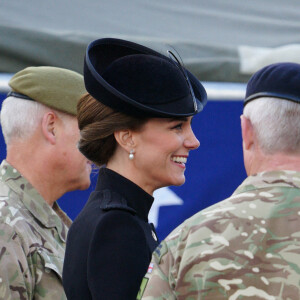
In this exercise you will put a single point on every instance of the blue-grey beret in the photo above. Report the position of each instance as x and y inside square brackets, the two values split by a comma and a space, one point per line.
[280, 80]
[137, 80]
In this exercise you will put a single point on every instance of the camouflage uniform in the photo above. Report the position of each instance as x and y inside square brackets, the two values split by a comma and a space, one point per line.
[245, 247]
[32, 241]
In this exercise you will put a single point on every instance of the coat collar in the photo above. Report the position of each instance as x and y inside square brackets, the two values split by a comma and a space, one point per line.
[136, 197]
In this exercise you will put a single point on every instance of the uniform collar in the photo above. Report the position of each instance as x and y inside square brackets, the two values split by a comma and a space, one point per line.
[32, 200]
[136, 197]
[278, 178]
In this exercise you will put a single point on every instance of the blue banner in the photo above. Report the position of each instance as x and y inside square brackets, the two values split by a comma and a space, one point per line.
[213, 171]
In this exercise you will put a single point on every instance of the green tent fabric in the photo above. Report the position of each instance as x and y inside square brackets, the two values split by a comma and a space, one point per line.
[217, 40]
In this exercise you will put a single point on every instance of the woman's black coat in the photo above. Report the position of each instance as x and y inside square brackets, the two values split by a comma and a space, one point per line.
[110, 243]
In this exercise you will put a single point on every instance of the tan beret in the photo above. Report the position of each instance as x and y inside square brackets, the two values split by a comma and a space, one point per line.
[55, 87]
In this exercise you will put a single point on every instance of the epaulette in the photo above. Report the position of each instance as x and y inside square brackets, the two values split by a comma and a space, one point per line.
[110, 200]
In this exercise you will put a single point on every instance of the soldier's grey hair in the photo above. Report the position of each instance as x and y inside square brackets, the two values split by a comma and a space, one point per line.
[276, 123]
[20, 118]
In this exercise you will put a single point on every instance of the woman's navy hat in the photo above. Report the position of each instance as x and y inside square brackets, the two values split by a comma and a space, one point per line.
[139, 81]
[280, 80]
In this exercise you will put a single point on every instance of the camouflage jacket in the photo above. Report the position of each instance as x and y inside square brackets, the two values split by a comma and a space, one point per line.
[245, 247]
[32, 241]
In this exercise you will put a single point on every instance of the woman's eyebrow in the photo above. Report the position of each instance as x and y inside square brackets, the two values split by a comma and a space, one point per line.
[184, 119]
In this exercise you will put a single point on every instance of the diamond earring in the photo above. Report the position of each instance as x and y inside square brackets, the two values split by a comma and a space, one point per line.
[131, 154]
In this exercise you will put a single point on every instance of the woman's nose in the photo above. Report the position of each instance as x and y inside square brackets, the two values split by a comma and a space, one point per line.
[191, 142]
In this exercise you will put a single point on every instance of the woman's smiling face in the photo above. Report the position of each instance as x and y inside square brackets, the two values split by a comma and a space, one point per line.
[162, 149]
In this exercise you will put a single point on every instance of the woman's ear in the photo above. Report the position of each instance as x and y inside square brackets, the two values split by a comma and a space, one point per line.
[49, 124]
[125, 139]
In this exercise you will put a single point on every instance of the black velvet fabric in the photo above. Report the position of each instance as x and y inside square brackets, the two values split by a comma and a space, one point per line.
[133, 75]
[280, 80]
[139, 81]
[110, 243]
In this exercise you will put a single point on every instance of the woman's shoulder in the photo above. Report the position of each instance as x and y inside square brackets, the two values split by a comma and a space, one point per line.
[101, 215]
[118, 218]
[118, 228]
[102, 202]
[94, 225]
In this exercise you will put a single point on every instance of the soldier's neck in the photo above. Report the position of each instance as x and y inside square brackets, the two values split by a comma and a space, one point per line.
[35, 168]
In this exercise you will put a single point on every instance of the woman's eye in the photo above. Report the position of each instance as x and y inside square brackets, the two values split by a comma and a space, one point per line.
[177, 126]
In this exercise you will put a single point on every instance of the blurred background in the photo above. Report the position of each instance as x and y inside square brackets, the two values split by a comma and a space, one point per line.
[222, 42]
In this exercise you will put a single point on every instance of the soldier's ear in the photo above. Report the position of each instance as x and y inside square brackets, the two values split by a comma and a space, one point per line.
[49, 126]
[247, 132]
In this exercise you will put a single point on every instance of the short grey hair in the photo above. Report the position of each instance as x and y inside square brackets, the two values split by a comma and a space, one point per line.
[20, 118]
[276, 123]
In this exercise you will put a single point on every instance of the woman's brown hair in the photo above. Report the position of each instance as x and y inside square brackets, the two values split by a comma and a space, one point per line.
[97, 123]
